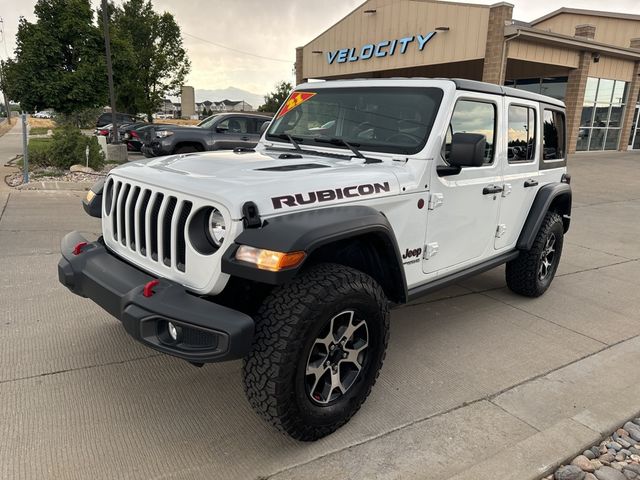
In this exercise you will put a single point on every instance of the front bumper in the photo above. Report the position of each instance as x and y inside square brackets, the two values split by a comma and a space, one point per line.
[208, 332]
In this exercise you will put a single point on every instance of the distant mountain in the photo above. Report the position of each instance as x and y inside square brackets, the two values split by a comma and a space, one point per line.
[230, 93]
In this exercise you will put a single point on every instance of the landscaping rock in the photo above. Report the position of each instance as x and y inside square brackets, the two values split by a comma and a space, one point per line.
[629, 474]
[569, 472]
[583, 463]
[615, 445]
[608, 473]
[634, 430]
[633, 467]
[607, 458]
[81, 168]
[589, 454]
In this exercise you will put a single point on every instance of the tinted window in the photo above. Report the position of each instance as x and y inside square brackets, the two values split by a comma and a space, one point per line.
[234, 125]
[470, 116]
[522, 133]
[379, 119]
[554, 135]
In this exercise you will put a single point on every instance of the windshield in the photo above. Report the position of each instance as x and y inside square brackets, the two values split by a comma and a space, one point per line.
[380, 119]
[208, 122]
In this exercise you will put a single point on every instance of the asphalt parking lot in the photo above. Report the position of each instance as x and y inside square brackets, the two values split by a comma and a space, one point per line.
[470, 370]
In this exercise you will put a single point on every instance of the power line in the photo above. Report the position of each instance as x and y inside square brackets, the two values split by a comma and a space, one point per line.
[236, 50]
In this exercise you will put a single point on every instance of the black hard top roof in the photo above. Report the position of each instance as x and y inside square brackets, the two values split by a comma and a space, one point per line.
[492, 88]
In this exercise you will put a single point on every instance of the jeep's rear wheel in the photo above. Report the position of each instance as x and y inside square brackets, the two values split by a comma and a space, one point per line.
[319, 345]
[532, 272]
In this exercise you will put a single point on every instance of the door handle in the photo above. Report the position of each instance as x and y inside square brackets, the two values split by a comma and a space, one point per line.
[530, 183]
[491, 190]
[244, 138]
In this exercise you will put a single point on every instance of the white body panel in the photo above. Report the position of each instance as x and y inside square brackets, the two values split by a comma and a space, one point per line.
[463, 227]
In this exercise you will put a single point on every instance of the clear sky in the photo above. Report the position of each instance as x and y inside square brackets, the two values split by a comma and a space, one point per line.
[269, 29]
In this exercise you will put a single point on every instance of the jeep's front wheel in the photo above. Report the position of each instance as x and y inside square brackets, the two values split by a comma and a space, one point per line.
[532, 272]
[319, 345]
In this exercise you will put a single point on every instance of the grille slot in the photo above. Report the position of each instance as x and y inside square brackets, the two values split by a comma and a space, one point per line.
[181, 232]
[148, 223]
[142, 222]
[153, 225]
[166, 230]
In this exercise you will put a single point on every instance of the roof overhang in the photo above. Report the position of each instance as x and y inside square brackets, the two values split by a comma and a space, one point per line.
[567, 41]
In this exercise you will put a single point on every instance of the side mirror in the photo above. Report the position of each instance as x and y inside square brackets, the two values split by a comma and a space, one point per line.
[222, 129]
[263, 127]
[467, 150]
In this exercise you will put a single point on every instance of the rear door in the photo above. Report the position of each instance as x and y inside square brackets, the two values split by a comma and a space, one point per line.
[520, 171]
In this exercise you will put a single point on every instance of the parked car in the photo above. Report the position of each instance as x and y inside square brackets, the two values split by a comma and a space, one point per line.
[106, 130]
[133, 134]
[121, 118]
[290, 256]
[43, 114]
[224, 131]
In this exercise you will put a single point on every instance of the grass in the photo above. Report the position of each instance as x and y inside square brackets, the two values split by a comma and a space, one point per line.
[38, 130]
[42, 123]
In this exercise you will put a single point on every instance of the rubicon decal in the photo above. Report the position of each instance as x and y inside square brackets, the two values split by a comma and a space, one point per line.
[298, 199]
[294, 100]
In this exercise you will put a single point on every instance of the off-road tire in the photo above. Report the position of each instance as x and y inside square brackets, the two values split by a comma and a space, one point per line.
[288, 324]
[523, 273]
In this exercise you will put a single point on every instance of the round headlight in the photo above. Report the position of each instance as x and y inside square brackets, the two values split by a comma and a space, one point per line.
[217, 227]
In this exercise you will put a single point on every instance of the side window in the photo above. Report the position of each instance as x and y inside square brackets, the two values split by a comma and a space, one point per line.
[521, 134]
[554, 145]
[472, 116]
[233, 125]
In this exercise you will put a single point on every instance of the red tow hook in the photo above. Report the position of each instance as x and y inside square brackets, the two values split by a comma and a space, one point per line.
[148, 288]
[77, 250]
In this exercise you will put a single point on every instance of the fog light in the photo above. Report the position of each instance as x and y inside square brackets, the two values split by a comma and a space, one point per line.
[174, 332]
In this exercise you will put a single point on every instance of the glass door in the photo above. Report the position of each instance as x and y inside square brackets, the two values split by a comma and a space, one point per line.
[634, 137]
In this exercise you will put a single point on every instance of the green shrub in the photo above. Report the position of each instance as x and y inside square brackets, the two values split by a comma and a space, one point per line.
[39, 151]
[66, 147]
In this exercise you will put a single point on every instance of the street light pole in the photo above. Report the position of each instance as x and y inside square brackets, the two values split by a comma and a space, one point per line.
[107, 46]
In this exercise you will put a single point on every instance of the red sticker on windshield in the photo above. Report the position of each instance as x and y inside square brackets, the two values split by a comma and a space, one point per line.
[295, 99]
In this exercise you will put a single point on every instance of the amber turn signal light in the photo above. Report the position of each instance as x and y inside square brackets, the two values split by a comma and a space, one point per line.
[269, 259]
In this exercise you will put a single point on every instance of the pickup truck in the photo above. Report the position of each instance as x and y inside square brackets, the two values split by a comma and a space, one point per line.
[224, 131]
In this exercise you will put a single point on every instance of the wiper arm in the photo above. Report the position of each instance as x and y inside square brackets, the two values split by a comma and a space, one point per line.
[342, 141]
[292, 140]
[349, 145]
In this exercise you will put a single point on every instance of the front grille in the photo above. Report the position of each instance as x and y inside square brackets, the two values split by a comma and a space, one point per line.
[147, 222]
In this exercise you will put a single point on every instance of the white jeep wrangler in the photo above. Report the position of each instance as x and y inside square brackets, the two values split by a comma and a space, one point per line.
[361, 195]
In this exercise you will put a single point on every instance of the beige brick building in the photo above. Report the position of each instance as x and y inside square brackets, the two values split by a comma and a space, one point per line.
[588, 59]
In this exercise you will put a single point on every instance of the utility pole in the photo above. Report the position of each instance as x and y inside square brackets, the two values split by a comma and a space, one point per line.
[107, 46]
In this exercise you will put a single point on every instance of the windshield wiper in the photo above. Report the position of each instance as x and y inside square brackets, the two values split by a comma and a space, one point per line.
[292, 140]
[349, 145]
[342, 141]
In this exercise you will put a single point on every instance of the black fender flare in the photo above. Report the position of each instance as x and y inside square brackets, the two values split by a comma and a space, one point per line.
[310, 230]
[554, 194]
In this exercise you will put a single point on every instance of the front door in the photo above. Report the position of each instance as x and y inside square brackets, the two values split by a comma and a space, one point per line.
[520, 171]
[463, 208]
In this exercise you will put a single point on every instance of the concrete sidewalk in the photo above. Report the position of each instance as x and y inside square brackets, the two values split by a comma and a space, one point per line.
[10, 147]
[479, 383]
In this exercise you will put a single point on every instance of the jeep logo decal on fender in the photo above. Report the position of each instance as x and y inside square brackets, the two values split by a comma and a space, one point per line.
[308, 198]
[410, 254]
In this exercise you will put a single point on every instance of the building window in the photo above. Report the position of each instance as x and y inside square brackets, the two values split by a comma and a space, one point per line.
[555, 87]
[522, 133]
[553, 131]
[601, 118]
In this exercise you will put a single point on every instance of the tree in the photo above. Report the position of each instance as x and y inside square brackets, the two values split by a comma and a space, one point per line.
[150, 61]
[59, 59]
[273, 100]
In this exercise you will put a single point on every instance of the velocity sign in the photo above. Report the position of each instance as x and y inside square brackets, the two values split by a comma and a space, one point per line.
[381, 49]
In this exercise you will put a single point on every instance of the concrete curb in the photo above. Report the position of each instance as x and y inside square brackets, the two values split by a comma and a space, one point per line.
[540, 454]
[61, 186]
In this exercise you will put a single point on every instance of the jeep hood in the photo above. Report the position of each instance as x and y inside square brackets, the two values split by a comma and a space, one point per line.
[276, 185]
